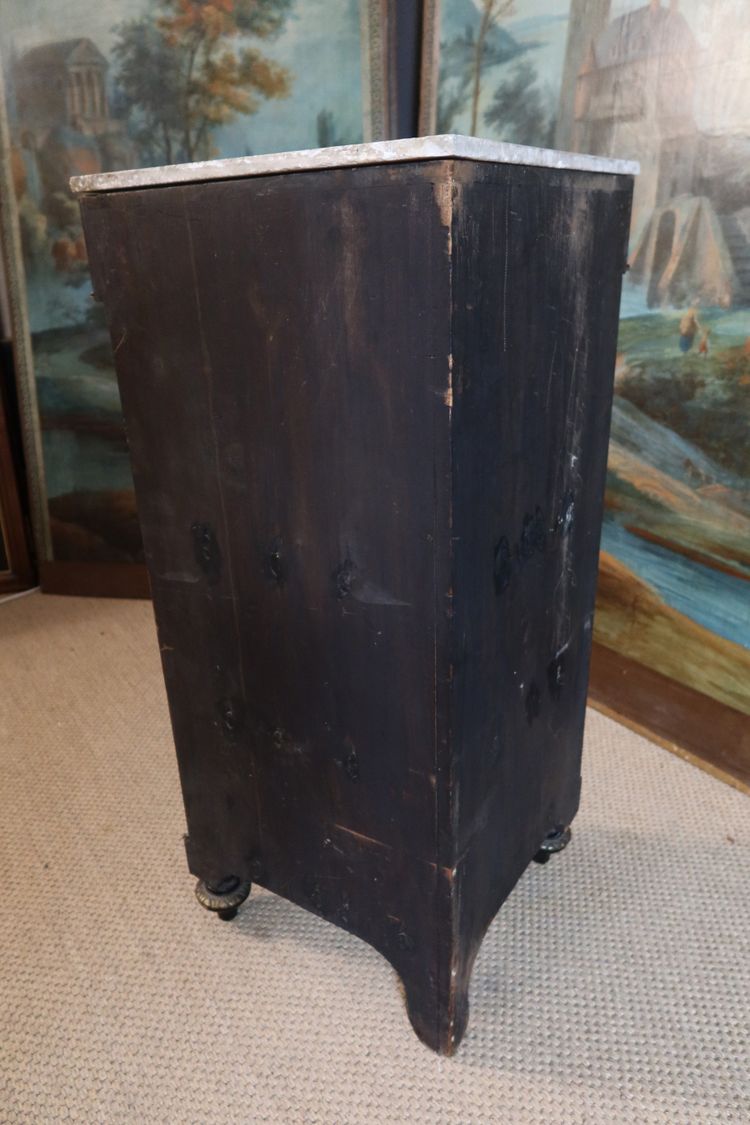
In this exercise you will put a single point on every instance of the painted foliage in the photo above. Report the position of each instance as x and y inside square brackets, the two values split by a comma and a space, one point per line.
[666, 82]
[127, 83]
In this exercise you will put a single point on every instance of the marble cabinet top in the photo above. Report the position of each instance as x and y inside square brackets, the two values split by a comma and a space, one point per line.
[347, 156]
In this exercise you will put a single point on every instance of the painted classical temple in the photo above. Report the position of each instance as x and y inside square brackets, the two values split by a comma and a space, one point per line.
[61, 119]
[63, 84]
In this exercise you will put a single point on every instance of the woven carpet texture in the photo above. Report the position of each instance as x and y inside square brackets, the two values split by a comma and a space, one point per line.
[614, 985]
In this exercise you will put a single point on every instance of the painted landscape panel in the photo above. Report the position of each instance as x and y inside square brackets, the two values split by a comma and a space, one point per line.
[665, 82]
[127, 83]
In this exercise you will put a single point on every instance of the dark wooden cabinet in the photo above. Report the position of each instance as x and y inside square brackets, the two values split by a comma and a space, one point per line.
[368, 410]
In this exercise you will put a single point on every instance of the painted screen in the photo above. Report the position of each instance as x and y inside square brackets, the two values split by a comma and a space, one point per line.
[127, 83]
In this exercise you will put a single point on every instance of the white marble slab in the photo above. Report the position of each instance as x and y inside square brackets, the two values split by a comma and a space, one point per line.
[347, 156]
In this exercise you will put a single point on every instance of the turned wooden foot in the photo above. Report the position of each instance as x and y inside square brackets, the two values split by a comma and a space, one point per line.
[224, 898]
[555, 841]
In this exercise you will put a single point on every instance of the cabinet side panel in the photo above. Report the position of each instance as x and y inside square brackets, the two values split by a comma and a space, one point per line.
[538, 263]
[282, 349]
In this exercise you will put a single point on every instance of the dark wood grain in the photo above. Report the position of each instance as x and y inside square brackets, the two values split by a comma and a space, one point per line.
[538, 258]
[367, 412]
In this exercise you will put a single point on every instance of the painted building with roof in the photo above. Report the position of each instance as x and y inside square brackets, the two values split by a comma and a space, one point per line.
[634, 98]
[641, 77]
[61, 120]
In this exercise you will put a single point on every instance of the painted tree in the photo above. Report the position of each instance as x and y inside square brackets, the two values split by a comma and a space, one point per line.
[189, 66]
[491, 12]
[457, 62]
[521, 110]
[149, 81]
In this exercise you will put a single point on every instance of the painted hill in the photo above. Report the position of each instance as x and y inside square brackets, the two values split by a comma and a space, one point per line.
[664, 488]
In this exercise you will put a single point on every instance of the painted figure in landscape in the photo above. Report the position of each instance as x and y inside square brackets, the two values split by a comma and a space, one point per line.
[665, 82]
[689, 329]
[127, 83]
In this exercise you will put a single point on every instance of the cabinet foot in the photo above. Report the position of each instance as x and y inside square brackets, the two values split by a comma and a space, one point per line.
[224, 898]
[553, 842]
[438, 1018]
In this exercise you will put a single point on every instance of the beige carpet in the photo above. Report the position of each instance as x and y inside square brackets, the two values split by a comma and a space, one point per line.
[613, 987]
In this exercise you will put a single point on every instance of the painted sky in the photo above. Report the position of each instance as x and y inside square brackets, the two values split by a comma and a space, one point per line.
[704, 16]
[320, 44]
[530, 9]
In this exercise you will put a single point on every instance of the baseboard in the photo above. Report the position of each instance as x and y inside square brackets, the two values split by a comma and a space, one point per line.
[685, 721]
[95, 580]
